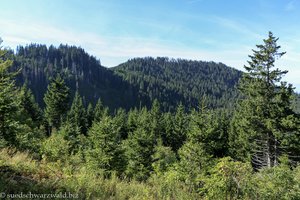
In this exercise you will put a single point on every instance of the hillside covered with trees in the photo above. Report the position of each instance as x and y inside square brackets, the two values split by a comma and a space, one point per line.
[39, 64]
[187, 81]
[135, 83]
[71, 145]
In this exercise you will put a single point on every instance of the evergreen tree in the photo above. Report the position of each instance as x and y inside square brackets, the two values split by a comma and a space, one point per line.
[264, 124]
[132, 120]
[30, 132]
[105, 150]
[9, 102]
[77, 114]
[155, 120]
[179, 133]
[209, 129]
[168, 130]
[120, 119]
[163, 158]
[139, 147]
[56, 100]
[89, 115]
[30, 109]
[194, 163]
[100, 111]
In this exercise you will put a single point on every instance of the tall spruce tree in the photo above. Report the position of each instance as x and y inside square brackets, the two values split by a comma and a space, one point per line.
[56, 100]
[89, 115]
[100, 111]
[105, 150]
[264, 124]
[30, 108]
[140, 146]
[175, 128]
[9, 103]
[77, 114]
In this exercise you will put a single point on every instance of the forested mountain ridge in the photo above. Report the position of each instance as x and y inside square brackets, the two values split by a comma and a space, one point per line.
[188, 81]
[39, 64]
[134, 83]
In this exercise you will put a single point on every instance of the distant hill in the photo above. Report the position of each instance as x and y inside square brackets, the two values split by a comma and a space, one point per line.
[81, 72]
[174, 80]
[134, 83]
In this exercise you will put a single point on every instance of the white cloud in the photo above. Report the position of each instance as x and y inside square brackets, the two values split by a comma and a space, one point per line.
[114, 50]
[236, 26]
[109, 49]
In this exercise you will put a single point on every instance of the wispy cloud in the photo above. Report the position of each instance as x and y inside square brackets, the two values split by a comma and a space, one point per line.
[114, 50]
[236, 26]
[109, 49]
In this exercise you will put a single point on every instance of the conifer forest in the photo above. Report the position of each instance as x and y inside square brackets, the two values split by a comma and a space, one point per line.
[149, 128]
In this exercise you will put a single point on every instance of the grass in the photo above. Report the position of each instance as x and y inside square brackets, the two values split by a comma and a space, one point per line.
[19, 172]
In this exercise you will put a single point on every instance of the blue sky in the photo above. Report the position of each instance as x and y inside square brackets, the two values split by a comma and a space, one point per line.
[116, 30]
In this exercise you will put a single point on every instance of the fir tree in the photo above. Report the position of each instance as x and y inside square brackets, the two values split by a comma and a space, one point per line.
[264, 120]
[139, 147]
[100, 111]
[89, 115]
[77, 114]
[105, 150]
[120, 119]
[155, 120]
[30, 109]
[9, 102]
[181, 124]
[56, 100]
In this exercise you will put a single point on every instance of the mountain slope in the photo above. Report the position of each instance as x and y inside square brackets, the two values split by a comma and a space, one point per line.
[134, 83]
[171, 81]
[81, 72]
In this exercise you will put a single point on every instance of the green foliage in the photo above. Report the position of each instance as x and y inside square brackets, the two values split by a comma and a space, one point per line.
[175, 128]
[279, 182]
[132, 120]
[100, 111]
[73, 135]
[155, 120]
[9, 102]
[55, 147]
[135, 83]
[172, 81]
[296, 103]
[89, 115]
[263, 119]
[121, 120]
[20, 173]
[29, 138]
[228, 179]
[30, 109]
[81, 72]
[210, 129]
[57, 101]
[139, 148]
[105, 150]
[194, 163]
[77, 115]
[163, 158]
[146, 153]
[20, 116]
